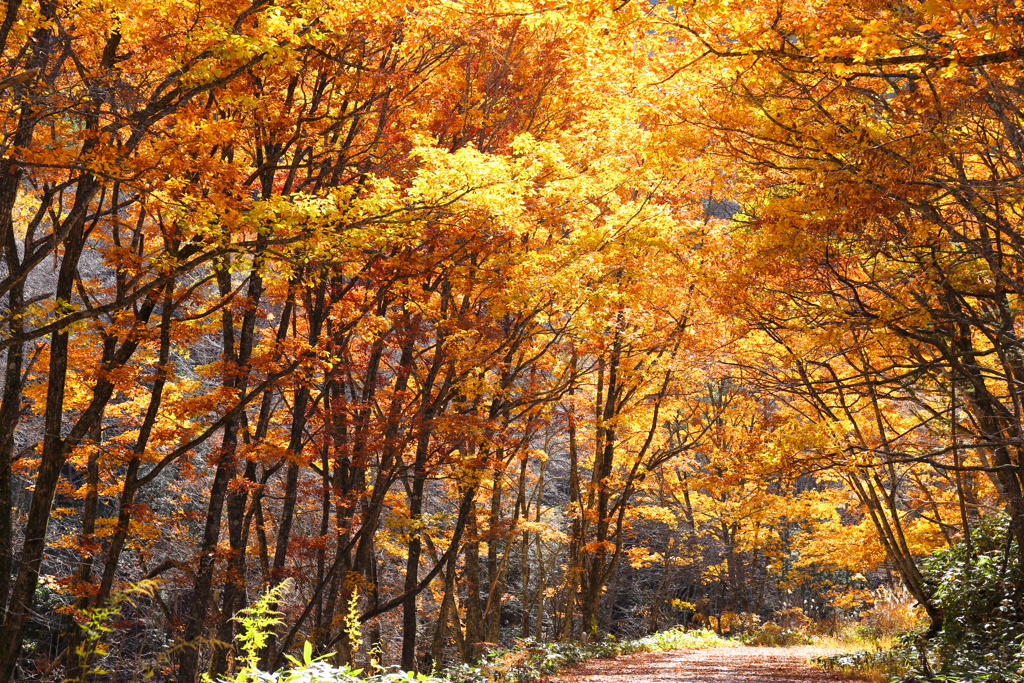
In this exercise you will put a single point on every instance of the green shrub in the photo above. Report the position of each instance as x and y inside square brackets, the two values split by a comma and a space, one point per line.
[771, 634]
[980, 638]
[677, 638]
[981, 601]
[980, 591]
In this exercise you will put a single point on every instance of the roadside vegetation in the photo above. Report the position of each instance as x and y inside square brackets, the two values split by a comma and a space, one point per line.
[525, 660]
[884, 642]
[980, 637]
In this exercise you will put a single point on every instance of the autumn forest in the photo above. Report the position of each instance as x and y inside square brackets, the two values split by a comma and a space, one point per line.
[472, 321]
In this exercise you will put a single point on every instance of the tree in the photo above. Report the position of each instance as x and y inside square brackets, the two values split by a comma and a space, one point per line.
[884, 159]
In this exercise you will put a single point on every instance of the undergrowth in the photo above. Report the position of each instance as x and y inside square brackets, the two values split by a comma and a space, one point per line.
[877, 666]
[529, 659]
[978, 588]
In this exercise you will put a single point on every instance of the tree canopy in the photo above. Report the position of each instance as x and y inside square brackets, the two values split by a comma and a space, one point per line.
[486, 318]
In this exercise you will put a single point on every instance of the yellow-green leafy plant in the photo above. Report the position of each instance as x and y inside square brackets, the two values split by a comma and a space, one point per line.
[257, 622]
[352, 631]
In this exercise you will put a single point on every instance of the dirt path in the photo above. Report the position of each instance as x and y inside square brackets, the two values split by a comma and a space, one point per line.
[718, 665]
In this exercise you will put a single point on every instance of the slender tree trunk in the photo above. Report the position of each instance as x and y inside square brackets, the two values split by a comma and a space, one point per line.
[600, 495]
[495, 569]
[10, 407]
[236, 355]
[86, 541]
[409, 610]
[54, 446]
[444, 616]
[573, 579]
[121, 528]
[474, 596]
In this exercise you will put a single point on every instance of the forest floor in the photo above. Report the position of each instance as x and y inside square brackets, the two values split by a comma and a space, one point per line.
[716, 665]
